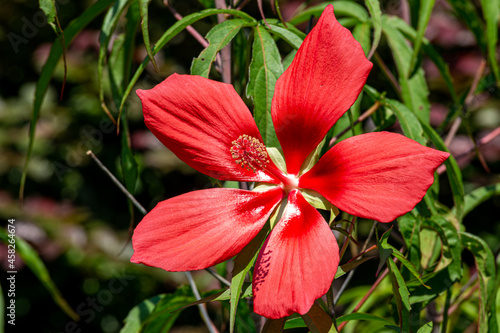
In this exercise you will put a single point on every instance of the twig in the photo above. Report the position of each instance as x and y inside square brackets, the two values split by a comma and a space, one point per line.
[189, 28]
[225, 53]
[361, 118]
[203, 309]
[387, 73]
[493, 134]
[351, 273]
[467, 102]
[117, 183]
[218, 277]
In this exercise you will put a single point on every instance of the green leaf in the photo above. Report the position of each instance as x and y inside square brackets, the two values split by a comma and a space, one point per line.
[363, 316]
[384, 251]
[407, 264]
[342, 8]
[485, 263]
[42, 85]
[478, 196]
[242, 264]
[423, 19]
[139, 313]
[361, 33]
[292, 35]
[451, 252]
[402, 295]
[143, 7]
[318, 321]
[36, 265]
[408, 121]
[218, 37]
[166, 311]
[376, 14]
[430, 51]
[171, 33]
[414, 90]
[265, 69]
[452, 170]
[491, 10]
[49, 8]
[409, 227]
[427, 328]
[108, 27]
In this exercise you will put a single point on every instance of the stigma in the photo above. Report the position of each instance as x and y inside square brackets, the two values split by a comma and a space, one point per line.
[249, 153]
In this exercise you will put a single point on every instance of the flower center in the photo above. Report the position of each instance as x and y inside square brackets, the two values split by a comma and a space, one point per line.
[249, 152]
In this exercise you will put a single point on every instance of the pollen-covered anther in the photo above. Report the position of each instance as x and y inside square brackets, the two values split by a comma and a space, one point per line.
[249, 152]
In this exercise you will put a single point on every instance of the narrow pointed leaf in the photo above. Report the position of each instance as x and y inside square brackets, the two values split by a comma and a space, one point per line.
[485, 263]
[342, 8]
[145, 30]
[36, 265]
[452, 170]
[218, 38]
[408, 121]
[466, 10]
[491, 10]
[423, 19]
[265, 69]
[478, 196]
[49, 9]
[42, 85]
[376, 14]
[139, 313]
[291, 35]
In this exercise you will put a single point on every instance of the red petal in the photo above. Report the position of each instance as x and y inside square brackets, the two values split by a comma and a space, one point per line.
[323, 81]
[297, 263]
[198, 119]
[199, 229]
[378, 176]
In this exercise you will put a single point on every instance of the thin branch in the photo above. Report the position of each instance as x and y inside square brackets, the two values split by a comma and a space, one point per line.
[226, 51]
[118, 183]
[493, 134]
[189, 28]
[361, 118]
[203, 309]
[387, 73]
[218, 277]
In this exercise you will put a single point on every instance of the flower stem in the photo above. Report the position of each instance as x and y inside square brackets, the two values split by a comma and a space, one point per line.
[203, 309]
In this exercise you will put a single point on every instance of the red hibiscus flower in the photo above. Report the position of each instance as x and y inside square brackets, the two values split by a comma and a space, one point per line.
[205, 123]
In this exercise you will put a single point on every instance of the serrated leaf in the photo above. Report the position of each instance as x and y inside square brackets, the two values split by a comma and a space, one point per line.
[139, 313]
[424, 15]
[45, 76]
[409, 123]
[414, 90]
[376, 14]
[265, 69]
[342, 8]
[36, 265]
[452, 170]
[143, 7]
[485, 263]
[218, 37]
